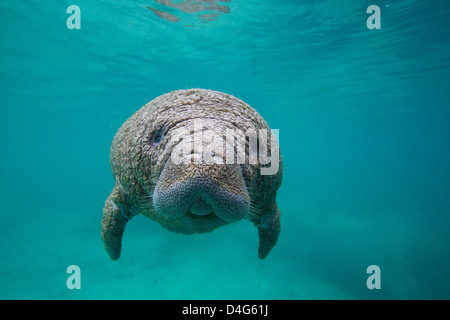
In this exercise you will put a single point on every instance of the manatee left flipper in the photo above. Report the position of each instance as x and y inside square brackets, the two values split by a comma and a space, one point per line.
[113, 224]
[268, 231]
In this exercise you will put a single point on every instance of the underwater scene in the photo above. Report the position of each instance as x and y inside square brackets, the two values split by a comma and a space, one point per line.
[358, 93]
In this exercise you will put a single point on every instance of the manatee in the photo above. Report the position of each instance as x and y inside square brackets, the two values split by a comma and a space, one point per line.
[194, 160]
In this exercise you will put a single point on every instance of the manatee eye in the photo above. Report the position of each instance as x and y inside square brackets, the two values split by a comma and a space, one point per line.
[156, 137]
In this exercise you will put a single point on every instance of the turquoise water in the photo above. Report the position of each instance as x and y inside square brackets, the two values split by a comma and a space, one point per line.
[364, 122]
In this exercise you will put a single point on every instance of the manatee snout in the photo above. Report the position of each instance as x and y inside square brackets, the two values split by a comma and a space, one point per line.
[200, 190]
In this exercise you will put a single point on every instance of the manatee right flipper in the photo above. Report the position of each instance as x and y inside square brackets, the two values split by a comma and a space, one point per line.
[113, 224]
[268, 231]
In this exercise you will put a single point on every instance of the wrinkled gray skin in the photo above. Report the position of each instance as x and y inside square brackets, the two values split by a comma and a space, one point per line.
[191, 197]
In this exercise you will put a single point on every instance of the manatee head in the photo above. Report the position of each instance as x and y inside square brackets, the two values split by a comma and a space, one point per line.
[194, 160]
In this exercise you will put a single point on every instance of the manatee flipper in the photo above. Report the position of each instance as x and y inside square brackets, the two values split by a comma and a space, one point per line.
[113, 225]
[268, 231]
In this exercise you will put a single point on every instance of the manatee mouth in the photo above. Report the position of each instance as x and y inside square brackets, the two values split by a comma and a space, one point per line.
[200, 211]
[202, 222]
[201, 200]
[201, 208]
[200, 197]
[192, 217]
